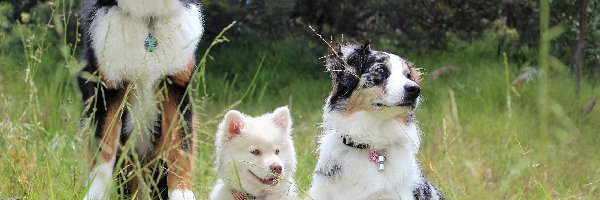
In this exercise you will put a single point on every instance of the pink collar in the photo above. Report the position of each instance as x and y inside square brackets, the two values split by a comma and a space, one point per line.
[375, 156]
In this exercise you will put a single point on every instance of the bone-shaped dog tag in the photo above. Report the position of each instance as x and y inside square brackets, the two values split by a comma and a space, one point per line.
[381, 162]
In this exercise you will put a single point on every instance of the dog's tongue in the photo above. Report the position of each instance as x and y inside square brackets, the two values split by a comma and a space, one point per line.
[269, 181]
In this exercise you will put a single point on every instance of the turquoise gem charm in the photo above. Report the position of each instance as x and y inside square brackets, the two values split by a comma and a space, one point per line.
[151, 43]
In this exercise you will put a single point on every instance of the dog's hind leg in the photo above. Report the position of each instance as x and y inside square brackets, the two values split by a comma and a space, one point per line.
[108, 109]
[177, 138]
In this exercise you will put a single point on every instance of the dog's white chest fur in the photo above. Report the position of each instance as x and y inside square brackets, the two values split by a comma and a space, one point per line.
[344, 168]
[119, 33]
[145, 8]
[356, 171]
[142, 117]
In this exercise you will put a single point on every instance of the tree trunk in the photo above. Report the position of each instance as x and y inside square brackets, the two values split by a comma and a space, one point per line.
[577, 60]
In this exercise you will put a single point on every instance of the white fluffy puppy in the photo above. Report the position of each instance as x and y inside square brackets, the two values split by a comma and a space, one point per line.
[255, 157]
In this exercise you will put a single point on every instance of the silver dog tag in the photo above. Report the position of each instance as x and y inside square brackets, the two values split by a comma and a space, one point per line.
[380, 162]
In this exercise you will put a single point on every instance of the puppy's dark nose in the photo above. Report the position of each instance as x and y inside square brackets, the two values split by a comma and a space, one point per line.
[276, 168]
[412, 92]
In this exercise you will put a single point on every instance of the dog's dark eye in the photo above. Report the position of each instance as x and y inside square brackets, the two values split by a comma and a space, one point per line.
[255, 152]
[409, 76]
[375, 75]
[277, 152]
[379, 70]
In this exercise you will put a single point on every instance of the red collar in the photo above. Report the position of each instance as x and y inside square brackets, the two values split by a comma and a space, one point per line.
[237, 195]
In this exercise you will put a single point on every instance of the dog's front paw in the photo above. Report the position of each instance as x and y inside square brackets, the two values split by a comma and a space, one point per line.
[98, 189]
[181, 195]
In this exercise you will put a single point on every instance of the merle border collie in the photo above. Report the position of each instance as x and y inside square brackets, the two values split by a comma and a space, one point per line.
[370, 137]
[140, 58]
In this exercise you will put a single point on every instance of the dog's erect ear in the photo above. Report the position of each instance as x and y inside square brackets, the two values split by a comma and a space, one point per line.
[282, 119]
[346, 57]
[364, 48]
[359, 55]
[345, 68]
[234, 121]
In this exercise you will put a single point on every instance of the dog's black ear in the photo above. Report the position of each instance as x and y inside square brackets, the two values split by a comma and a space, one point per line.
[359, 56]
[364, 48]
[344, 70]
[347, 57]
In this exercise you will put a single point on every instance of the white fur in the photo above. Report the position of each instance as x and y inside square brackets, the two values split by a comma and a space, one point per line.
[360, 178]
[267, 132]
[178, 194]
[142, 117]
[397, 80]
[118, 40]
[101, 177]
[146, 8]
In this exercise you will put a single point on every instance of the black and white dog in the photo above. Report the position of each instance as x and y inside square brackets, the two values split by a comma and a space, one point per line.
[370, 141]
[142, 52]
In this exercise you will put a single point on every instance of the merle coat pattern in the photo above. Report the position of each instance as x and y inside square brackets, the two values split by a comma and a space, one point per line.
[370, 136]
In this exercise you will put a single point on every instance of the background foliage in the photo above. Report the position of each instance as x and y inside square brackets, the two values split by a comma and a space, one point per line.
[411, 24]
[417, 24]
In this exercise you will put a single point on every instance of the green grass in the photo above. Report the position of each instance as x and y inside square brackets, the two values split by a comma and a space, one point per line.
[481, 137]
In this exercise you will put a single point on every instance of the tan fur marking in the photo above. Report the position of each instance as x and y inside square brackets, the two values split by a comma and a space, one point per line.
[184, 77]
[362, 100]
[179, 162]
[416, 73]
[134, 184]
[111, 131]
[403, 119]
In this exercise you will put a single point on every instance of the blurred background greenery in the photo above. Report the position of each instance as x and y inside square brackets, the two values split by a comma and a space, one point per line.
[407, 24]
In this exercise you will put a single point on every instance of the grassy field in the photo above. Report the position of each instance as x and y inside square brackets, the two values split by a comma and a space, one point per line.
[482, 138]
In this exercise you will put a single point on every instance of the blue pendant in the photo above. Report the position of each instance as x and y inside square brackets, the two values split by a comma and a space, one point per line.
[151, 43]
